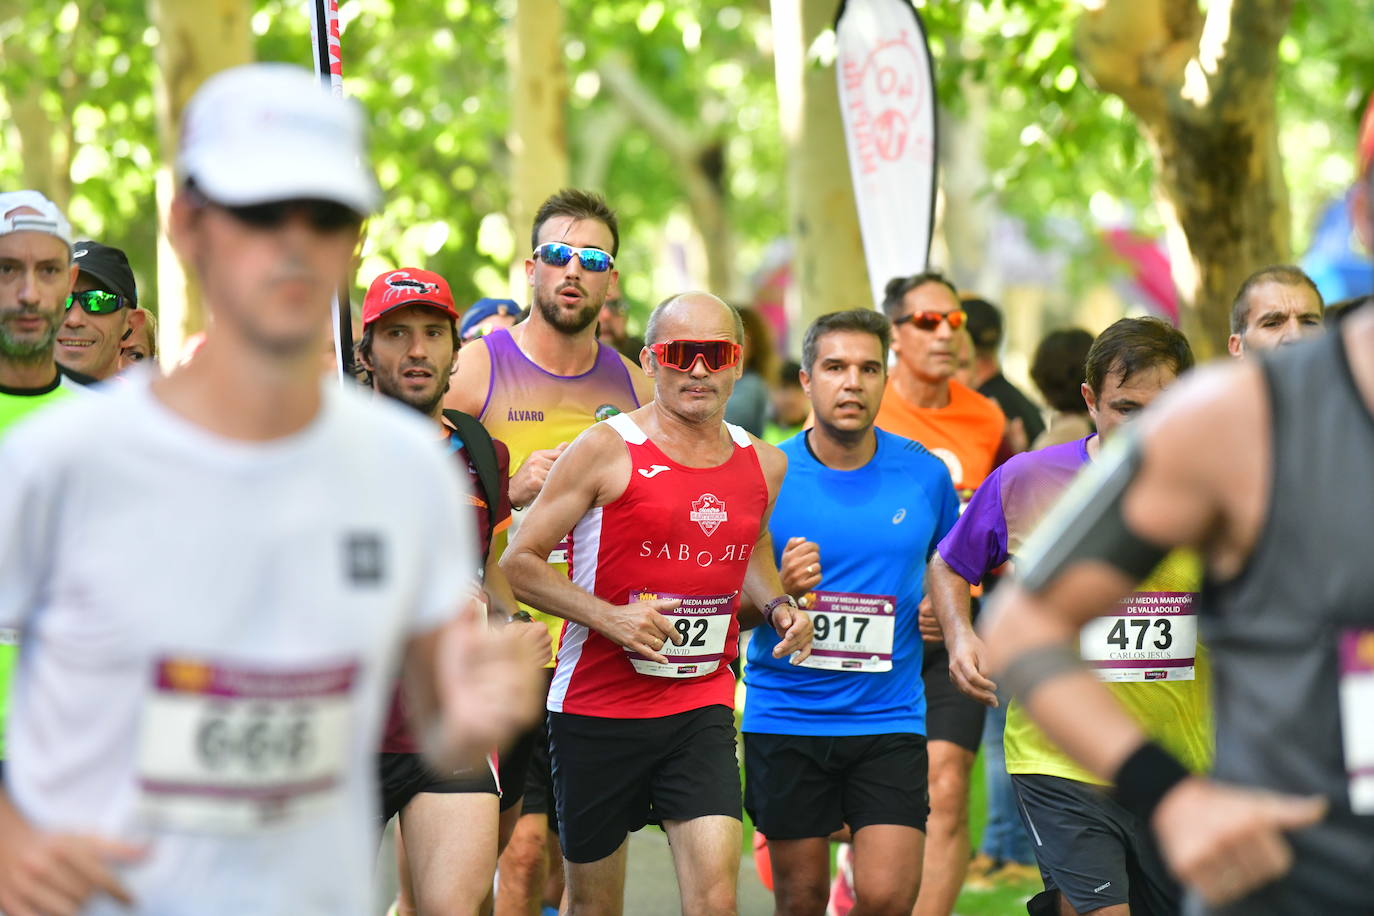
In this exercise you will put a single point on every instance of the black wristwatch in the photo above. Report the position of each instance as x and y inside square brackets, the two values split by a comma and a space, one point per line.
[773, 605]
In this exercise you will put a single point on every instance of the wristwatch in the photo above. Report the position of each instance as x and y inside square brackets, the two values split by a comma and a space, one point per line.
[777, 602]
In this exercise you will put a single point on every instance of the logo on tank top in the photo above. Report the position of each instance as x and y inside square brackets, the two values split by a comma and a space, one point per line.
[605, 412]
[708, 511]
[653, 471]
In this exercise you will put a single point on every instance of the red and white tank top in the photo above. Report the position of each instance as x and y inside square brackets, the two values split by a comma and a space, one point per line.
[676, 532]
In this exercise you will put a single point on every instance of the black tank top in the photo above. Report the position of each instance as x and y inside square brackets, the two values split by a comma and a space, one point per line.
[1275, 631]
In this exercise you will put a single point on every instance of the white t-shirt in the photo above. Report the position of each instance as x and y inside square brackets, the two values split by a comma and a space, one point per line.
[210, 631]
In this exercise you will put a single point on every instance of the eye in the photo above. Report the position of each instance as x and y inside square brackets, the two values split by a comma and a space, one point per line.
[135, 357]
[50, 271]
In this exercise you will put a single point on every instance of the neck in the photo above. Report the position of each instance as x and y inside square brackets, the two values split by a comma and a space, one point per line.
[695, 443]
[841, 450]
[237, 392]
[919, 391]
[984, 368]
[1094, 446]
[34, 373]
[552, 350]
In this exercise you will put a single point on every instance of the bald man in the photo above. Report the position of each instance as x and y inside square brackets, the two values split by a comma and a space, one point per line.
[668, 506]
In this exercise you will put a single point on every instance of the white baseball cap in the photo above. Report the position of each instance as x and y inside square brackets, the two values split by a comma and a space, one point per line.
[45, 215]
[267, 132]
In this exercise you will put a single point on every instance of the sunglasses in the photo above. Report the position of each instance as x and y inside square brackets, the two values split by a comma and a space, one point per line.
[557, 254]
[682, 354]
[97, 302]
[322, 215]
[929, 321]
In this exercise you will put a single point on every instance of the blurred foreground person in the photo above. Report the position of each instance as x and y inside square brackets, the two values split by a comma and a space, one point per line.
[206, 743]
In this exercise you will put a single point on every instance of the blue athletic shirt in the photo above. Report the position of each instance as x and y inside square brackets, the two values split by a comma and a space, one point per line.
[876, 527]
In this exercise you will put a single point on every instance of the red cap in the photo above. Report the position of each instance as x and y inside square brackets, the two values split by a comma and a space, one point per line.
[407, 286]
[1366, 146]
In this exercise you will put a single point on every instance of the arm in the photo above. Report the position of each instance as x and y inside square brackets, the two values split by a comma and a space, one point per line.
[593, 471]
[761, 582]
[948, 593]
[1198, 481]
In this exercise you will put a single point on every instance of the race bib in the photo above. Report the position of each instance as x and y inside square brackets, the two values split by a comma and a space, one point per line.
[560, 553]
[1357, 722]
[850, 632]
[703, 621]
[1152, 637]
[227, 748]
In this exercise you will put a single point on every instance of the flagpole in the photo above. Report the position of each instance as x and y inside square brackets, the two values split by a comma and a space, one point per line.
[328, 54]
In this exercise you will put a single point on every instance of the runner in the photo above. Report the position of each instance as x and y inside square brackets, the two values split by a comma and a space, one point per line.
[1094, 856]
[835, 742]
[102, 312]
[924, 402]
[1264, 466]
[206, 742]
[535, 387]
[1275, 306]
[667, 506]
[448, 836]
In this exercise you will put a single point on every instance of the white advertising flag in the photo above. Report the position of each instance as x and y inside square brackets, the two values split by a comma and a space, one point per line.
[887, 101]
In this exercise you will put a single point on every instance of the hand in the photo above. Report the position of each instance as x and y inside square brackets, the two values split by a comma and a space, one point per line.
[488, 690]
[801, 566]
[1017, 440]
[966, 665]
[531, 638]
[793, 627]
[928, 623]
[59, 873]
[1226, 841]
[526, 483]
[641, 627]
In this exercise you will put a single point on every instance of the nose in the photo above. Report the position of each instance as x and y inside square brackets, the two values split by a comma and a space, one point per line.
[75, 317]
[851, 378]
[944, 330]
[698, 368]
[417, 347]
[28, 289]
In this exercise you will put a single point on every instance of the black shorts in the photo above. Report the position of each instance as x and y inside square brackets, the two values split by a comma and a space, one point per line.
[798, 786]
[1092, 850]
[513, 767]
[613, 776]
[951, 715]
[404, 776]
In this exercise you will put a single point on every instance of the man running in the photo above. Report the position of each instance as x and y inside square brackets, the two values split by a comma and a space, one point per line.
[923, 401]
[1095, 856]
[535, 387]
[102, 312]
[668, 508]
[1275, 306]
[449, 828]
[206, 742]
[1264, 467]
[840, 740]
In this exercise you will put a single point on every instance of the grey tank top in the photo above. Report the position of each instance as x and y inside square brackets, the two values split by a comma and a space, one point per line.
[1275, 630]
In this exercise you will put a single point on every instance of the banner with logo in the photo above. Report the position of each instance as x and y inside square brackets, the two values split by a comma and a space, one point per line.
[887, 102]
[324, 36]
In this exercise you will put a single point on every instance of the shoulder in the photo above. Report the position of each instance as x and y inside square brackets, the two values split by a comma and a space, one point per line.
[643, 385]
[772, 459]
[468, 389]
[908, 454]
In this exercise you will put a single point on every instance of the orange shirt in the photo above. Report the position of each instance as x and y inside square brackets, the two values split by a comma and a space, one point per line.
[965, 434]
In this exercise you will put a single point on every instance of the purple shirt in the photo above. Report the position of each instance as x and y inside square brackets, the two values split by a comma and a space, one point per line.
[1008, 506]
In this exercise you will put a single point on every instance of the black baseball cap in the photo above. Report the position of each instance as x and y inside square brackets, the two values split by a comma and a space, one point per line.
[108, 266]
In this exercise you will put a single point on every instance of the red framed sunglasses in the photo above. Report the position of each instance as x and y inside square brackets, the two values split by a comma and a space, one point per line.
[929, 321]
[682, 355]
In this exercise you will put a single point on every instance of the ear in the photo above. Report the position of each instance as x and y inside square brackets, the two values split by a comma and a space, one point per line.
[180, 228]
[1089, 399]
[529, 272]
[646, 361]
[805, 382]
[1235, 345]
[136, 319]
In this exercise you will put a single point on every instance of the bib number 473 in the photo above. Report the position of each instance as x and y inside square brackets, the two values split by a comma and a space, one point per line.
[1119, 637]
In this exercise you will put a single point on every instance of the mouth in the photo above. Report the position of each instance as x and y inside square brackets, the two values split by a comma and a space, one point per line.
[74, 343]
[417, 374]
[570, 296]
[851, 405]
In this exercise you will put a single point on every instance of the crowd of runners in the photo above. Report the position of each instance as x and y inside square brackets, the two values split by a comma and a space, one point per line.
[497, 590]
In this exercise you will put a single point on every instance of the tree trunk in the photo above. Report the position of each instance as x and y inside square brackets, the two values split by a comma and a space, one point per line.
[1204, 92]
[538, 134]
[698, 153]
[828, 260]
[195, 41]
